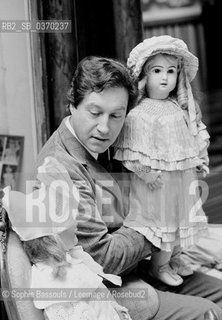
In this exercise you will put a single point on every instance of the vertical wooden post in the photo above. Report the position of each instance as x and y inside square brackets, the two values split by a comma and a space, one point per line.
[128, 26]
[41, 108]
[61, 56]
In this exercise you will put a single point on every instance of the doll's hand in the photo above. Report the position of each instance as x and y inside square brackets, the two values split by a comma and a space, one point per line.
[154, 179]
[202, 171]
[123, 315]
[122, 311]
[205, 170]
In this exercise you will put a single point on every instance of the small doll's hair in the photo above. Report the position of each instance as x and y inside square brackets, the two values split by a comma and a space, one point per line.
[49, 250]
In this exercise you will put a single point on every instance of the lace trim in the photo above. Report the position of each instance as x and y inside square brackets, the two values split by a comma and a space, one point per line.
[165, 239]
[84, 311]
[161, 141]
[146, 160]
[70, 311]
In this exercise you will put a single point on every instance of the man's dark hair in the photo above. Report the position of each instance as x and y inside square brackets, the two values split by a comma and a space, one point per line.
[95, 74]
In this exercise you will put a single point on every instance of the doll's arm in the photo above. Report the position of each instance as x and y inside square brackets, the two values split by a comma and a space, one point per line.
[151, 177]
[203, 139]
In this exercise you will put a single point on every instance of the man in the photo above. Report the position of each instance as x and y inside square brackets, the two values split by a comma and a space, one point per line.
[101, 94]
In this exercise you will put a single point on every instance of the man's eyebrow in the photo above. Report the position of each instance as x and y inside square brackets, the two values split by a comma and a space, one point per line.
[121, 108]
[94, 105]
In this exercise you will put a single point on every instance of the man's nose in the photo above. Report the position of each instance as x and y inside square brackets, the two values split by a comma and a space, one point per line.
[103, 125]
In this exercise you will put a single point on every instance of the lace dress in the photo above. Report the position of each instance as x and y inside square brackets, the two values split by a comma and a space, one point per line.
[97, 310]
[78, 296]
[156, 135]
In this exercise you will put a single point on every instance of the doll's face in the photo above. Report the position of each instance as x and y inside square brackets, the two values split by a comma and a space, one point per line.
[161, 74]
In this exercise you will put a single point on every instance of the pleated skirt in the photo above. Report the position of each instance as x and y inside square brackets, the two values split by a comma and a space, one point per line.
[172, 214]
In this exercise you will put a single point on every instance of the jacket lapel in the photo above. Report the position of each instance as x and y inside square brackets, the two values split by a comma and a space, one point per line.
[103, 180]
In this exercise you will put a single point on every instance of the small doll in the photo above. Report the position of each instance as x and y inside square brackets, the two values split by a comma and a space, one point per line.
[164, 143]
[48, 237]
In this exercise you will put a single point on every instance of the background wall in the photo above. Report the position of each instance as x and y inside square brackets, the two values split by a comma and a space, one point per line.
[16, 85]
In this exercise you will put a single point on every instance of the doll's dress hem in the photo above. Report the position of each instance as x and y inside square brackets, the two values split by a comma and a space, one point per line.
[167, 240]
[85, 310]
[169, 213]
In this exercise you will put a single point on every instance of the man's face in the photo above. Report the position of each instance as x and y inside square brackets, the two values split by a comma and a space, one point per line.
[98, 119]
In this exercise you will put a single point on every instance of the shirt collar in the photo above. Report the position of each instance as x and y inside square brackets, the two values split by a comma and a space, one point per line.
[68, 125]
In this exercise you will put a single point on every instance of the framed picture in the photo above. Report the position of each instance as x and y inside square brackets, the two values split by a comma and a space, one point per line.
[11, 150]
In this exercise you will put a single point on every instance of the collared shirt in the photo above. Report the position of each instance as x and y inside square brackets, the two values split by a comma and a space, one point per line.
[67, 122]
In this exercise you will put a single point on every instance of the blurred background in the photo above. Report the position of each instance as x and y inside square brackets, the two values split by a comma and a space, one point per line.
[37, 67]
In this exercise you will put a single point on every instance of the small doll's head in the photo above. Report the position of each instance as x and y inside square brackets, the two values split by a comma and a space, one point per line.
[162, 55]
[166, 45]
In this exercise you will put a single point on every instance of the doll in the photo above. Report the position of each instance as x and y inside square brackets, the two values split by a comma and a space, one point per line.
[164, 143]
[49, 240]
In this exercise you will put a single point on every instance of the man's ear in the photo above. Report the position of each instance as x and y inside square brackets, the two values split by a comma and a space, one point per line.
[71, 108]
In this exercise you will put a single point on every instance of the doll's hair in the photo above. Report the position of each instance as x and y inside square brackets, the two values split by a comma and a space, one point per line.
[49, 250]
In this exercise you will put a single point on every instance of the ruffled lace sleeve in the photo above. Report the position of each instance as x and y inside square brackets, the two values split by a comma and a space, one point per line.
[136, 167]
[203, 141]
[140, 170]
[202, 137]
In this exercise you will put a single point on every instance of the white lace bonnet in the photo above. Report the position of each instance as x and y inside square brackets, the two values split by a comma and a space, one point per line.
[177, 47]
[162, 44]
[54, 215]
